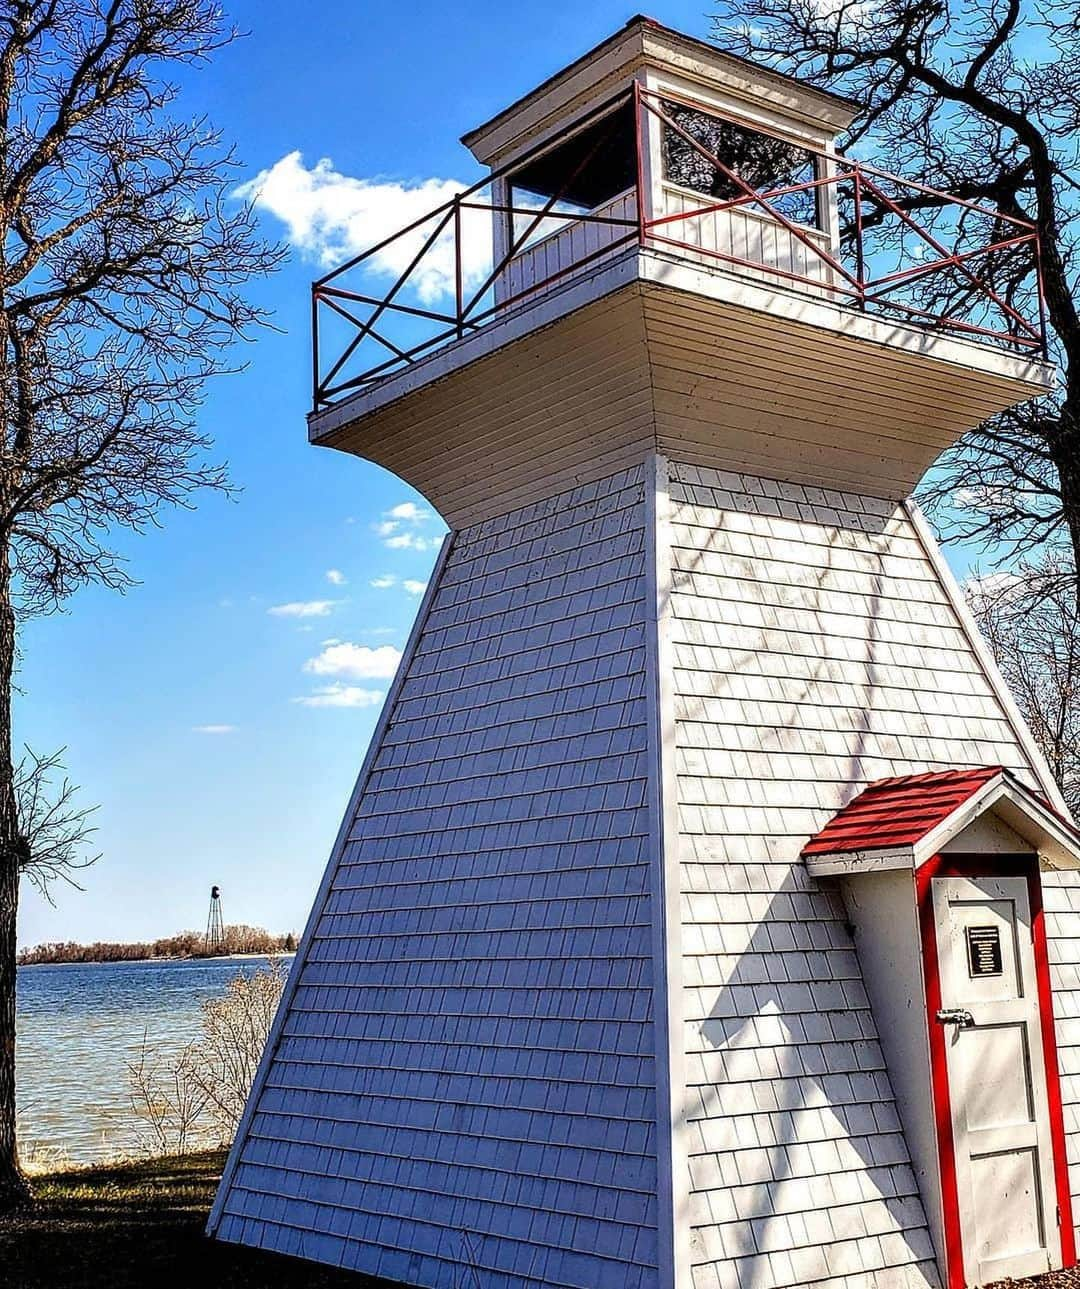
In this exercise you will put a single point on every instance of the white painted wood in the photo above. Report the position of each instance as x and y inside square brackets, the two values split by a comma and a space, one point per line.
[746, 233]
[716, 383]
[683, 64]
[1061, 907]
[988, 835]
[791, 646]
[671, 1083]
[883, 909]
[574, 248]
[997, 1084]
[848, 863]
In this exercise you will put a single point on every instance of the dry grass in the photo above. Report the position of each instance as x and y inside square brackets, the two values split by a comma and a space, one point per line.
[134, 1225]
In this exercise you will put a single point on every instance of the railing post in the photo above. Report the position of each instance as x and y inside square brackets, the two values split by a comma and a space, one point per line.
[315, 400]
[458, 278]
[639, 152]
[1043, 333]
[860, 261]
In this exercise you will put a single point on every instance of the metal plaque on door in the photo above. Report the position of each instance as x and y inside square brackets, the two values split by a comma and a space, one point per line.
[984, 951]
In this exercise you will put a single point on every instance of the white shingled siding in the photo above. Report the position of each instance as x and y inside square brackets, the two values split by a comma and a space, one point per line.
[464, 1087]
[464, 1091]
[815, 649]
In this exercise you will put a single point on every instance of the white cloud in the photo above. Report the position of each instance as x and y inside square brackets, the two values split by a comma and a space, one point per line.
[339, 695]
[356, 662]
[399, 527]
[383, 583]
[410, 512]
[213, 729]
[413, 587]
[410, 542]
[330, 217]
[336, 577]
[303, 609]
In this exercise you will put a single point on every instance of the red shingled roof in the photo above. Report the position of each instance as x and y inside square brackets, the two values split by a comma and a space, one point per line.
[900, 811]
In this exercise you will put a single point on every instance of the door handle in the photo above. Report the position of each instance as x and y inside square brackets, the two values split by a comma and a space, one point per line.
[955, 1016]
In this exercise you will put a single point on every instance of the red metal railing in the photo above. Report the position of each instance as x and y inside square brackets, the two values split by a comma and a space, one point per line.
[984, 291]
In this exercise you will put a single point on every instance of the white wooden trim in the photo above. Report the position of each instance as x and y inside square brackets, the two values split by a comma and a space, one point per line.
[965, 814]
[673, 1170]
[324, 886]
[982, 652]
[842, 863]
[1026, 815]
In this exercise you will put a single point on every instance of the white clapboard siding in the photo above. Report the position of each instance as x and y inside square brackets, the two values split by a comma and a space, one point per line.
[744, 237]
[576, 246]
[464, 1084]
[815, 648]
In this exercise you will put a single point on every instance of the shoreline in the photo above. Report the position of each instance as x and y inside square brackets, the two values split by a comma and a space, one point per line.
[120, 962]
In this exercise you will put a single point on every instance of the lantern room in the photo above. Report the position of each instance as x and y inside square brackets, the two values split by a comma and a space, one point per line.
[672, 234]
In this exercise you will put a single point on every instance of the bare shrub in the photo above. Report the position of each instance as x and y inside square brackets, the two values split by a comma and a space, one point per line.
[194, 1098]
[1031, 622]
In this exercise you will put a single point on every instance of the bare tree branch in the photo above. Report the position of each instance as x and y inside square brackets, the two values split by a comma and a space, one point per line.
[1030, 621]
[55, 830]
[981, 99]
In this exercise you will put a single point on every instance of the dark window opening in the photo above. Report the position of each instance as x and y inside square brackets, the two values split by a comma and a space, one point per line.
[761, 161]
[584, 172]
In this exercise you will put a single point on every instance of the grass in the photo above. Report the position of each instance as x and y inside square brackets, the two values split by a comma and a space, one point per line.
[140, 1225]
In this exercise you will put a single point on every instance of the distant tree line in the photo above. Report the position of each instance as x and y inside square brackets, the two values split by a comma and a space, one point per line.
[187, 944]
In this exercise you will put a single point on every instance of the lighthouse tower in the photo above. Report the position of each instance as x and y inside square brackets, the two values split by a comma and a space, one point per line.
[704, 916]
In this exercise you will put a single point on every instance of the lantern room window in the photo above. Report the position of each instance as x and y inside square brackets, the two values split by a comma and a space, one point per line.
[762, 161]
[582, 173]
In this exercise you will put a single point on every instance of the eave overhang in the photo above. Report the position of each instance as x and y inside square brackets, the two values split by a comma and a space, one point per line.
[1054, 838]
[651, 352]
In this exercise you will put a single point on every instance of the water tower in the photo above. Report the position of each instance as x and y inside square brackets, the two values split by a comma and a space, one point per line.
[703, 908]
[215, 926]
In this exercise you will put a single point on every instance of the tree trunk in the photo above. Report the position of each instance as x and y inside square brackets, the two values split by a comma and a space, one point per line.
[14, 1189]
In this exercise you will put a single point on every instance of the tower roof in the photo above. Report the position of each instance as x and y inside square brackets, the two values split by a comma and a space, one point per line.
[612, 64]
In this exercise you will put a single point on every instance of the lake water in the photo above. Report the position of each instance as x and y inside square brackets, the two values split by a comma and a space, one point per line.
[78, 1027]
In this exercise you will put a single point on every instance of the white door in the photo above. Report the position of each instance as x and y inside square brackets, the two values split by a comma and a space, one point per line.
[997, 1077]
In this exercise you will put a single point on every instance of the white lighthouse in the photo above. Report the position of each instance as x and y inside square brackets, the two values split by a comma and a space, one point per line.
[703, 916]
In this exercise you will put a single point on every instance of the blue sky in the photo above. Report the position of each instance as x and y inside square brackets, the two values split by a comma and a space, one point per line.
[220, 737]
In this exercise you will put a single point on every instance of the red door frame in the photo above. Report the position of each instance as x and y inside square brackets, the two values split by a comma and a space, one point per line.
[989, 866]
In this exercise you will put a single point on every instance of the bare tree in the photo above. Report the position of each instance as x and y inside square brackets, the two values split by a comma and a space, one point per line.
[980, 99]
[122, 267]
[1030, 620]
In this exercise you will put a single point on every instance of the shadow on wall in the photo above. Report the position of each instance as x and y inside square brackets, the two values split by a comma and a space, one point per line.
[799, 1169]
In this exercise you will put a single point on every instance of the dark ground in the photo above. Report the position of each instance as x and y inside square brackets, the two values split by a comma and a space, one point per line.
[139, 1226]
[1055, 1280]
